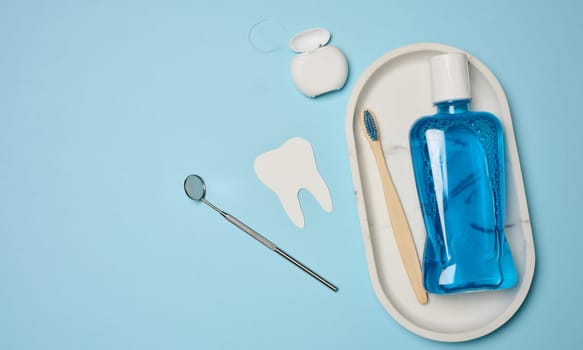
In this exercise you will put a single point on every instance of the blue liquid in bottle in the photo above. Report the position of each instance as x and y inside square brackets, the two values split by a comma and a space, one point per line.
[458, 161]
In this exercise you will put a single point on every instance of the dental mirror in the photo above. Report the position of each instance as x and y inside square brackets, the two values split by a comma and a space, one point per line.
[196, 189]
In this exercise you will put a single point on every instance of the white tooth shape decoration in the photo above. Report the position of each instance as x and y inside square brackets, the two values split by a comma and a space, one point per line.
[288, 169]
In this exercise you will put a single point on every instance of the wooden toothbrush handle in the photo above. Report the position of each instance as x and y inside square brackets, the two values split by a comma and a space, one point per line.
[401, 229]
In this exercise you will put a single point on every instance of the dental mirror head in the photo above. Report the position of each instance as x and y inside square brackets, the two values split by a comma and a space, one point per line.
[194, 187]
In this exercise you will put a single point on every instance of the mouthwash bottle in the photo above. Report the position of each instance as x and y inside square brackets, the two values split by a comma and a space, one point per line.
[458, 161]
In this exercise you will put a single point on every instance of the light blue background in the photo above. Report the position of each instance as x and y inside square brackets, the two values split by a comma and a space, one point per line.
[106, 106]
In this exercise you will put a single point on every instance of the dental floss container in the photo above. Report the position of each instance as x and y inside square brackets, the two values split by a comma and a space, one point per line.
[318, 68]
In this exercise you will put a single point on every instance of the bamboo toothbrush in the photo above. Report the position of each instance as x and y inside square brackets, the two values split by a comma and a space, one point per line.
[401, 229]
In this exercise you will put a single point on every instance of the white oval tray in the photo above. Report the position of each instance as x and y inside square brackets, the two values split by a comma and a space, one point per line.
[397, 88]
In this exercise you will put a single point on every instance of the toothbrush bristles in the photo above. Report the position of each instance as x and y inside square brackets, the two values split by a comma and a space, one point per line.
[370, 125]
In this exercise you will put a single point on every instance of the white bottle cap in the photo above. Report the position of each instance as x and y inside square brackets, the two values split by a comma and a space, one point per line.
[450, 78]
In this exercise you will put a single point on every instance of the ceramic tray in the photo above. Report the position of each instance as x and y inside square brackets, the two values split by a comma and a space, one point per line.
[397, 88]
